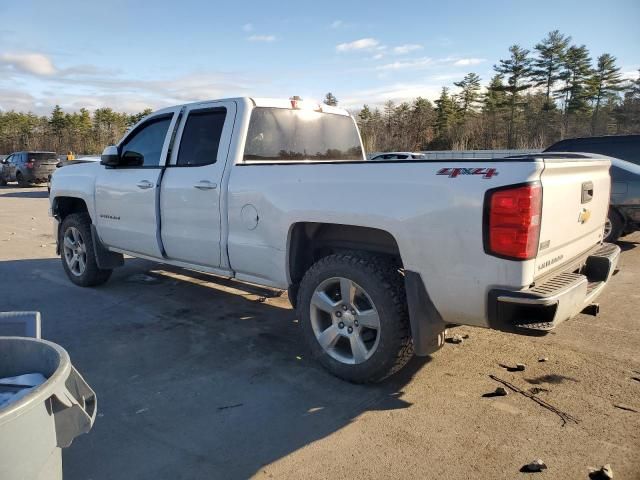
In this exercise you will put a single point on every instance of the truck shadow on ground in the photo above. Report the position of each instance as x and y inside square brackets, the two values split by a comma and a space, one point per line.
[196, 377]
[35, 193]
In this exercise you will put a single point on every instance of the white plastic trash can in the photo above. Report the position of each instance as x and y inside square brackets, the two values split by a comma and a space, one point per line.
[35, 428]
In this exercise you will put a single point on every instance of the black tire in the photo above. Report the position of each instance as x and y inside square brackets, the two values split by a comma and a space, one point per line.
[3, 181]
[617, 226]
[92, 275]
[384, 285]
[22, 183]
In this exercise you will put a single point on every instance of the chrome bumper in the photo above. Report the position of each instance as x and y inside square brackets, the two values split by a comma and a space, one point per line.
[542, 307]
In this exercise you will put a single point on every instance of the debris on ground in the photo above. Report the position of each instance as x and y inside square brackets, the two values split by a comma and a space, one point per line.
[456, 339]
[235, 405]
[142, 278]
[543, 359]
[535, 466]
[625, 407]
[498, 392]
[501, 391]
[565, 417]
[261, 299]
[637, 379]
[603, 473]
[536, 390]
[519, 367]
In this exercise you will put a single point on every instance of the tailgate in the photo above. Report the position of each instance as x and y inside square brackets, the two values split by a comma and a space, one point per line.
[575, 201]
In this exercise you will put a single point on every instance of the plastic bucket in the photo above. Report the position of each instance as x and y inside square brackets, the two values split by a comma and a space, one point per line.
[35, 428]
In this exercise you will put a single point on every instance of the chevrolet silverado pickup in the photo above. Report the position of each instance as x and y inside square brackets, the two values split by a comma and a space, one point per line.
[377, 257]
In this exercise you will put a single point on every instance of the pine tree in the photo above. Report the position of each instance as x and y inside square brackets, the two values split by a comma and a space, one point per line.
[469, 93]
[547, 66]
[517, 70]
[605, 83]
[574, 94]
[330, 99]
[493, 104]
[445, 116]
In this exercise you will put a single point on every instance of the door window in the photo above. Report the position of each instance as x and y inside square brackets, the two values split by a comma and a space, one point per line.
[143, 146]
[201, 137]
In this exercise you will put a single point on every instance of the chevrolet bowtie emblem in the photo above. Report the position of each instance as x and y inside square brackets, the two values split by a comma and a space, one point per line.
[584, 216]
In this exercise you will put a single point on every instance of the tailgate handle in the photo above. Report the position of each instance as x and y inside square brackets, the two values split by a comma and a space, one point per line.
[587, 192]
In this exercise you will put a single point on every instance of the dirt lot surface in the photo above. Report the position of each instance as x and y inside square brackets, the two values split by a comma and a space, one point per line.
[204, 378]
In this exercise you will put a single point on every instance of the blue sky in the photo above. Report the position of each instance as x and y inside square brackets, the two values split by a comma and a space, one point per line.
[131, 55]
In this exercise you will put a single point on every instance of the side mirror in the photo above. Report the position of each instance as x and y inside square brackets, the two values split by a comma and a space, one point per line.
[110, 156]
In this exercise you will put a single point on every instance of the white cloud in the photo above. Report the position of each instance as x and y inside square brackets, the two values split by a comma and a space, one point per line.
[468, 61]
[262, 38]
[377, 56]
[33, 63]
[247, 27]
[407, 48]
[336, 24]
[409, 64]
[361, 44]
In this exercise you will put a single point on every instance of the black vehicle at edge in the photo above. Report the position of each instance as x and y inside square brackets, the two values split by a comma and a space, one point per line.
[624, 209]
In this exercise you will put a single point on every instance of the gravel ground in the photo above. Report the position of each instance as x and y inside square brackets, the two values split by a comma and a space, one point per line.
[199, 377]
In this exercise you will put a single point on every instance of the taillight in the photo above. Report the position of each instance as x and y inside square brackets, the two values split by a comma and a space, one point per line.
[513, 222]
[30, 164]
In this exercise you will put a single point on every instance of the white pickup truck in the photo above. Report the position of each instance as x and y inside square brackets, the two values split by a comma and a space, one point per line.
[378, 257]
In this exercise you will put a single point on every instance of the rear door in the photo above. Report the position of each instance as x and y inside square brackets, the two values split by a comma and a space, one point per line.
[126, 195]
[191, 187]
[575, 201]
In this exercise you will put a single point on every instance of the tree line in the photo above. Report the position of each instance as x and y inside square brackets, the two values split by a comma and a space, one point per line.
[81, 132]
[534, 98]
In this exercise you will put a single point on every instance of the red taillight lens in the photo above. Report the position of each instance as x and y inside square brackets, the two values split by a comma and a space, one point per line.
[514, 222]
[30, 164]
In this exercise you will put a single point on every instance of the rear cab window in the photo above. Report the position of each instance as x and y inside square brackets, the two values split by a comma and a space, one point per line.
[201, 137]
[287, 135]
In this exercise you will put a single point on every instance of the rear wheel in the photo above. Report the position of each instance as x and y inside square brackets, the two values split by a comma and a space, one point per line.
[613, 226]
[354, 316]
[77, 252]
[3, 181]
[22, 183]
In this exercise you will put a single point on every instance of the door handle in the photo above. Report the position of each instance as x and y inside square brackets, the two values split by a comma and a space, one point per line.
[205, 185]
[144, 184]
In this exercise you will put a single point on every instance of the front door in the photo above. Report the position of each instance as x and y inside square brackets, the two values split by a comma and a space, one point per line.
[126, 213]
[191, 186]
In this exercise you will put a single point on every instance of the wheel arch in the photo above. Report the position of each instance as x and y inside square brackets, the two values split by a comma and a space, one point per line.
[63, 206]
[309, 241]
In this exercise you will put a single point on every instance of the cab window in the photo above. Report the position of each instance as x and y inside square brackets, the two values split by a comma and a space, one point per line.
[143, 147]
[201, 137]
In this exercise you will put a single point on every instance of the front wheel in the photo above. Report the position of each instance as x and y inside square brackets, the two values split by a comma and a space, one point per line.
[77, 252]
[354, 317]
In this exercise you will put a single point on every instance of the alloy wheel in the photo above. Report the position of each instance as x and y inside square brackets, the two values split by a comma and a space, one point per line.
[345, 320]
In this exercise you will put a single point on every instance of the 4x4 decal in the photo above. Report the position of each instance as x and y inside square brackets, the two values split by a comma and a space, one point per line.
[454, 172]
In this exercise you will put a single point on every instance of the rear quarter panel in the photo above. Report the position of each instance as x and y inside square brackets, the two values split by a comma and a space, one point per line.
[437, 221]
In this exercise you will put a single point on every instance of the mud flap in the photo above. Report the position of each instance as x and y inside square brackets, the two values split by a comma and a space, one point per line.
[427, 326]
[105, 259]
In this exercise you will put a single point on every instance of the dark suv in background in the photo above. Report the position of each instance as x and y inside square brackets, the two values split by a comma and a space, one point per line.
[624, 209]
[28, 168]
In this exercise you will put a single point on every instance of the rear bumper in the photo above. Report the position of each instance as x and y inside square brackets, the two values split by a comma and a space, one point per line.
[42, 176]
[542, 307]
